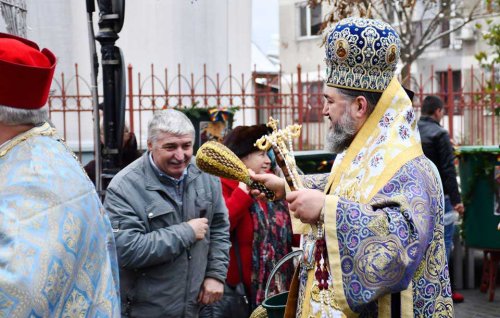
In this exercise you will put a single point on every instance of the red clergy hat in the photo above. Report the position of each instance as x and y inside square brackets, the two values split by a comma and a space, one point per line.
[25, 73]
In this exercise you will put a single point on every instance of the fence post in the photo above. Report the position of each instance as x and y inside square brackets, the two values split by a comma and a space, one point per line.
[153, 101]
[230, 86]
[179, 84]
[301, 101]
[493, 103]
[79, 109]
[451, 101]
[130, 98]
[256, 99]
[64, 101]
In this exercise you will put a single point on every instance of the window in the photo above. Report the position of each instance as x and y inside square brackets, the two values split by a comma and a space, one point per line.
[445, 40]
[456, 85]
[492, 6]
[313, 102]
[310, 20]
[267, 98]
[417, 31]
[445, 24]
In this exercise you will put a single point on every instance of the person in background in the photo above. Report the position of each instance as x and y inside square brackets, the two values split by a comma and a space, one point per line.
[130, 152]
[437, 147]
[262, 229]
[57, 252]
[171, 226]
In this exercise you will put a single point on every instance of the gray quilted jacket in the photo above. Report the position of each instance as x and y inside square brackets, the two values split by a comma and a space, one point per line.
[162, 266]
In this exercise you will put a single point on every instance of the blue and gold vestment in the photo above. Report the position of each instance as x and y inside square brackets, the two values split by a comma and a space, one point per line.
[57, 252]
[383, 224]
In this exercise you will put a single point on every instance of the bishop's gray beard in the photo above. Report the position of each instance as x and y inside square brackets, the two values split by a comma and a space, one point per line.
[341, 134]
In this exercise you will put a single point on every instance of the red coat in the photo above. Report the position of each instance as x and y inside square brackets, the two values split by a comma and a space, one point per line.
[241, 225]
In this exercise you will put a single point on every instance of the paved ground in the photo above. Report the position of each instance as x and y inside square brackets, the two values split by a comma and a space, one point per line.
[476, 305]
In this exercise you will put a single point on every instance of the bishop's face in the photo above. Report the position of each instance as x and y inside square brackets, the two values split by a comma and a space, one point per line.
[337, 108]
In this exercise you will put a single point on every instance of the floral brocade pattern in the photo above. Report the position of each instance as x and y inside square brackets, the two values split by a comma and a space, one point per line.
[57, 250]
[272, 240]
[377, 253]
[384, 220]
[315, 181]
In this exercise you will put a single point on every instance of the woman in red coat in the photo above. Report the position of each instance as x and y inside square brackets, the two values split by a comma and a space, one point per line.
[261, 229]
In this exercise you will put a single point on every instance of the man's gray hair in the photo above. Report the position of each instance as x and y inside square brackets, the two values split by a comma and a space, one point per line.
[17, 116]
[169, 121]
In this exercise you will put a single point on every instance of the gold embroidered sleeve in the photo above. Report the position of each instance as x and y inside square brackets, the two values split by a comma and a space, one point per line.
[315, 181]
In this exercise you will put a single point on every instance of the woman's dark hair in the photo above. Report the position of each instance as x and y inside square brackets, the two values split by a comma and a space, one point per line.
[130, 151]
[241, 139]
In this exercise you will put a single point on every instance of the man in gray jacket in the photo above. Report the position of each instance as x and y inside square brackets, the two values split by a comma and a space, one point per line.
[171, 226]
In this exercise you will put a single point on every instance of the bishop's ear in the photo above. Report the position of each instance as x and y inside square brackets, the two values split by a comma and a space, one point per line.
[360, 107]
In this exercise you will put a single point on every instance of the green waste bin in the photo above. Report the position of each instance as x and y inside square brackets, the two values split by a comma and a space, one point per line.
[479, 168]
[314, 161]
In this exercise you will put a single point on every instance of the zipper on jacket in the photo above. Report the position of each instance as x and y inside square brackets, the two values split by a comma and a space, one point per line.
[185, 218]
[186, 292]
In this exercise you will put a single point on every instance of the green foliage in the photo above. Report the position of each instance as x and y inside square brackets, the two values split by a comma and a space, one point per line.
[491, 36]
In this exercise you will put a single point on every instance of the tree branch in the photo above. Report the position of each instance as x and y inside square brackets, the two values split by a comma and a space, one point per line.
[423, 45]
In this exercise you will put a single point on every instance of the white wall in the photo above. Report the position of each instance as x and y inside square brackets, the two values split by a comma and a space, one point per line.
[160, 32]
[215, 32]
[61, 26]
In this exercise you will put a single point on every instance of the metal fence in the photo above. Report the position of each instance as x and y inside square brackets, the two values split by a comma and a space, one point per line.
[472, 101]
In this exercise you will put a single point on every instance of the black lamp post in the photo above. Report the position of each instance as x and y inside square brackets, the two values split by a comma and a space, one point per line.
[111, 17]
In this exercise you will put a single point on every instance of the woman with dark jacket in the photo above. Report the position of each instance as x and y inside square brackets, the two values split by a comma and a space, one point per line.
[262, 230]
[130, 153]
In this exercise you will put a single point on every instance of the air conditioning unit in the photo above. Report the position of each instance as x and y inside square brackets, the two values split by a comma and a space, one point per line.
[467, 33]
[455, 37]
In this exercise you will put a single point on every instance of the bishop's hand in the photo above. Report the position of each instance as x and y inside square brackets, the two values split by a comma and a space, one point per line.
[306, 204]
[271, 181]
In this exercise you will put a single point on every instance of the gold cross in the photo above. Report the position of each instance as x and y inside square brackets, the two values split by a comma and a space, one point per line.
[278, 137]
[284, 157]
[273, 123]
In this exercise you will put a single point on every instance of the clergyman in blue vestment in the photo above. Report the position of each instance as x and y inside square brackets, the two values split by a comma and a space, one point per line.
[57, 253]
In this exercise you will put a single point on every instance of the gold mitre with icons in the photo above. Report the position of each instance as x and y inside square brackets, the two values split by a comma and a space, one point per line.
[361, 54]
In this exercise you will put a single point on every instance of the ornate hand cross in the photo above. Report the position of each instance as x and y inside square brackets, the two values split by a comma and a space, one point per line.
[281, 141]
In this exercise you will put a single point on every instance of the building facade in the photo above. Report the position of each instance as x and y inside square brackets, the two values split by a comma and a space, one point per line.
[195, 37]
[448, 63]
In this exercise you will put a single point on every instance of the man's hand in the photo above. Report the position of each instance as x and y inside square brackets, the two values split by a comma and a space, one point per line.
[306, 204]
[211, 291]
[271, 181]
[199, 226]
[459, 207]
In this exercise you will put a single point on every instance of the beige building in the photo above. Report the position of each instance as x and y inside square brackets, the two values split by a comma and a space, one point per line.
[299, 39]
[301, 45]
